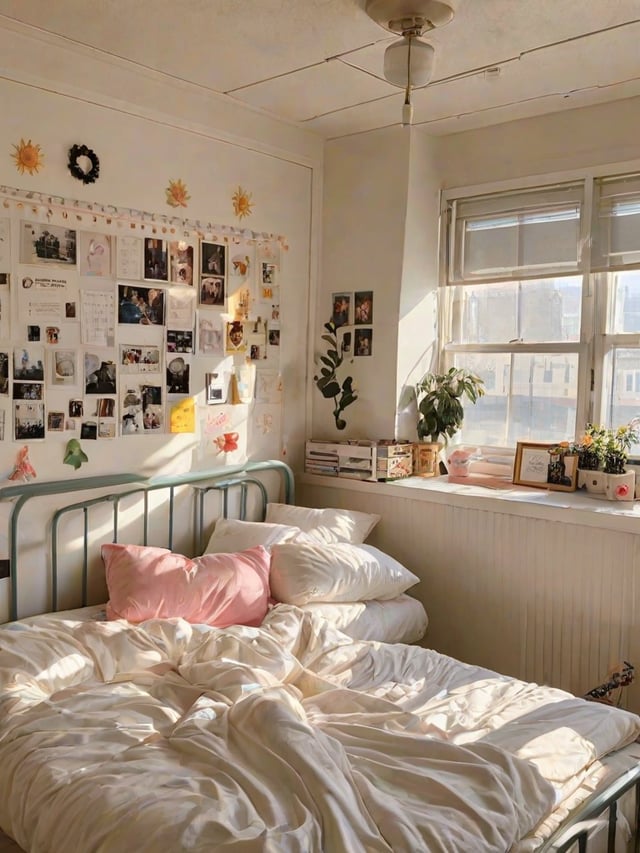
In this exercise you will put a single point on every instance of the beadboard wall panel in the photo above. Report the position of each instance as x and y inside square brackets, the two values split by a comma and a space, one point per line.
[546, 601]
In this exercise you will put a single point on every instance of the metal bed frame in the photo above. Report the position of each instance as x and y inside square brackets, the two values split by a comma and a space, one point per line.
[237, 482]
[232, 480]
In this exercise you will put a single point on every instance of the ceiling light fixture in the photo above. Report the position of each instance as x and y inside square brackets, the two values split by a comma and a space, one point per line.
[408, 62]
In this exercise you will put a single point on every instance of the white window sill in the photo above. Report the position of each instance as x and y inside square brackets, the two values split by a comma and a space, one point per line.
[568, 507]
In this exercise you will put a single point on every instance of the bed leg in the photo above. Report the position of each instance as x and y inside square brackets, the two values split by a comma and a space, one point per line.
[613, 817]
[636, 829]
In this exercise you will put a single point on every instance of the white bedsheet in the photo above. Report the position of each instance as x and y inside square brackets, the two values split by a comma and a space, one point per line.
[289, 737]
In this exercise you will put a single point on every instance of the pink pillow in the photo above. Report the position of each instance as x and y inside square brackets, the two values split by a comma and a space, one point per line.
[215, 589]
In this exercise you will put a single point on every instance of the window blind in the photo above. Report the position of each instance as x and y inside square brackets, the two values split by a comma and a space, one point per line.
[616, 225]
[518, 235]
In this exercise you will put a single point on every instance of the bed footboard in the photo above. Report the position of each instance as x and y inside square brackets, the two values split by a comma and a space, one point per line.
[575, 830]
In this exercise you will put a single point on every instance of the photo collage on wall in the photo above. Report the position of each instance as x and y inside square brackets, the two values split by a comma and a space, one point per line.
[352, 315]
[113, 330]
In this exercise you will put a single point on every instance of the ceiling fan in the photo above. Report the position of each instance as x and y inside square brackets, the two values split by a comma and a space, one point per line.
[408, 62]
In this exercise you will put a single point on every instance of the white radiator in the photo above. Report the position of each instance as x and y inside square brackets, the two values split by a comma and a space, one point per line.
[542, 600]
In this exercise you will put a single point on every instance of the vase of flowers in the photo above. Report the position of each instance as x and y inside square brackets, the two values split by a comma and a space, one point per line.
[591, 447]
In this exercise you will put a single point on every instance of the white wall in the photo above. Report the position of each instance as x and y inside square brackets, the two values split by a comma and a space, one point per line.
[364, 219]
[147, 130]
[585, 138]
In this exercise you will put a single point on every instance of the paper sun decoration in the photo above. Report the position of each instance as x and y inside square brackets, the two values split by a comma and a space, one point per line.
[242, 204]
[177, 195]
[28, 157]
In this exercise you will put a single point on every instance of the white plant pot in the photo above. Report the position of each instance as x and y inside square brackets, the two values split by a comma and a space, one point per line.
[595, 482]
[621, 487]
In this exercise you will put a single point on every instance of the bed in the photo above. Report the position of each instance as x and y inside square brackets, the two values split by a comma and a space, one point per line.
[165, 733]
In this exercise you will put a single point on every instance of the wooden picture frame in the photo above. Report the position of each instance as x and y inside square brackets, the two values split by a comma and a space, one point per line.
[531, 464]
[531, 467]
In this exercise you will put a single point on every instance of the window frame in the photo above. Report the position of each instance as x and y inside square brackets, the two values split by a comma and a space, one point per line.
[596, 344]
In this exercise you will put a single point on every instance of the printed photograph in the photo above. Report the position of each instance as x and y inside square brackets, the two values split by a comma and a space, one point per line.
[55, 421]
[213, 259]
[99, 375]
[4, 373]
[214, 388]
[235, 340]
[341, 311]
[4, 279]
[152, 413]
[139, 359]
[181, 256]
[363, 313]
[140, 305]
[179, 341]
[212, 290]
[269, 274]
[52, 334]
[363, 342]
[33, 333]
[28, 421]
[27, 390]
[89, 430]
[156, 259]
[41, 244]
[177, 375]
[131, 411]
[28, 363]
[76, 408]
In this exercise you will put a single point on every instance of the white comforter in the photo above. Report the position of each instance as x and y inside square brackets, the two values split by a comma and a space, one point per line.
[291, 737]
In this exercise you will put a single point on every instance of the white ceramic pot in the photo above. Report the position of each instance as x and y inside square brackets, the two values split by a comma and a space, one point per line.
[595, 482]
[621, 487]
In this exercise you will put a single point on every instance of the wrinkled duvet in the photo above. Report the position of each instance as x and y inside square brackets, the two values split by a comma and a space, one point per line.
[289, 737]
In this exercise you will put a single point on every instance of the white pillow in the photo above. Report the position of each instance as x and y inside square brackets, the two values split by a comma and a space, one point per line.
[301, 573]
[325, 525]
[231, 535]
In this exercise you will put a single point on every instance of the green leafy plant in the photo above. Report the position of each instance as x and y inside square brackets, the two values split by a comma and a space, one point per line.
[327, 381]
[439, 398]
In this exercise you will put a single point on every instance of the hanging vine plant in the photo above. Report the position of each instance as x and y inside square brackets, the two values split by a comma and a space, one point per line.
[87, 176]
[328, 383]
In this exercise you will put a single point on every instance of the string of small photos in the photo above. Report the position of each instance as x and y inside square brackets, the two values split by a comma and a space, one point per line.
[45, 206]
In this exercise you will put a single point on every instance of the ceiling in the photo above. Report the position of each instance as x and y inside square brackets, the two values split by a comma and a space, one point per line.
[318, 63]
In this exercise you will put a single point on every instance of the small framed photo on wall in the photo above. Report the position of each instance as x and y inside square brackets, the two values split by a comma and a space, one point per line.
[363, 342]
[341, 310]
[363, 311]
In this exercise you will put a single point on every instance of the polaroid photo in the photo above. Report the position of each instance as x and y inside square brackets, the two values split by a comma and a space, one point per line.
[213, 259]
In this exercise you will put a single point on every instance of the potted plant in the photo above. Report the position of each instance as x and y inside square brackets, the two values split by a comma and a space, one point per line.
[617, 446]
[591, 447]
[439, 399]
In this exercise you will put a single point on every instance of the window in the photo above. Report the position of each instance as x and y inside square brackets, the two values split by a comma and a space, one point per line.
[542, 300]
